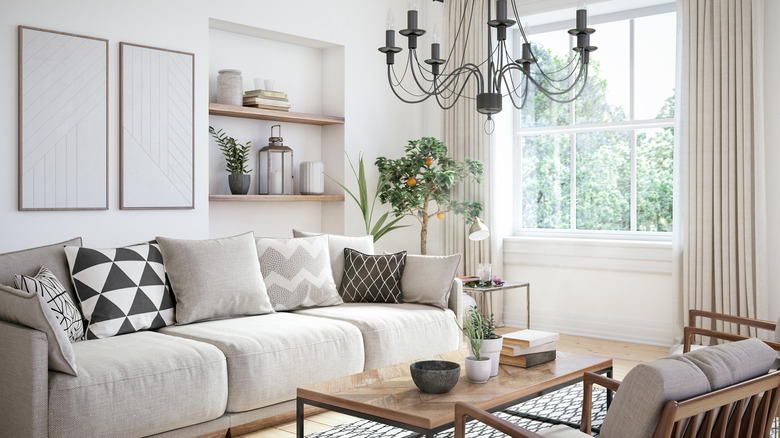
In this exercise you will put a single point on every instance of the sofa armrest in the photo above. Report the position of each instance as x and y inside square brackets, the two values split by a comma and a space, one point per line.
[455, 302]
[24, 406]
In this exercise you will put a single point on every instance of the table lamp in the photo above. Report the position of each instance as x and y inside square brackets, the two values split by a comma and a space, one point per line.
[479, 232]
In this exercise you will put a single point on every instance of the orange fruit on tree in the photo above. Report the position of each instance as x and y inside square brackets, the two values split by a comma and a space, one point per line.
[428, 161]
[440, 215]
[411, 181]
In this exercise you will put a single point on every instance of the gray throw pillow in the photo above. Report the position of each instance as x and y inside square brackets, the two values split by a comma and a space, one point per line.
[297, 272]
[52, 292]
[29, 310]
[216, 278]
[336, 245]
[428, 279]
[29, 261]
[372, 278]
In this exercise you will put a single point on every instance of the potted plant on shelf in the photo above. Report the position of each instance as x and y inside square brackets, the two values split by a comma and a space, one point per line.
[420, 184]
[478, 367]
[236, 157]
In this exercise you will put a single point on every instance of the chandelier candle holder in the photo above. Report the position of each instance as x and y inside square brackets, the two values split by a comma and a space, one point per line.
[275, 163]
[498, 76]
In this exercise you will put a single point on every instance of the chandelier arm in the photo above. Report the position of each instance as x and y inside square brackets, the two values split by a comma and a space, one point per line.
[457, 35]
[517, 20]
[550, 95]
[558, 91]
[423, 99]
[452, 82]
[399, 82]
[572, 69]
[459, 93]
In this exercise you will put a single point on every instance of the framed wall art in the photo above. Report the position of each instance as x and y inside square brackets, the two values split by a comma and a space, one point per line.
[63, 121]
[157, 128]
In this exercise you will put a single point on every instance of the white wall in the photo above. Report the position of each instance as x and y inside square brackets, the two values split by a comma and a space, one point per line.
[377, 123]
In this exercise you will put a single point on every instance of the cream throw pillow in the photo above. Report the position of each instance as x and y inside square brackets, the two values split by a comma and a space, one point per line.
[336, 245]
[428, 279]
[216, 278]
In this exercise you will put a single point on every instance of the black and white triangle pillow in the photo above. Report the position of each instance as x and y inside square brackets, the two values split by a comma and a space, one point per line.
[121, 290]
[46, 285]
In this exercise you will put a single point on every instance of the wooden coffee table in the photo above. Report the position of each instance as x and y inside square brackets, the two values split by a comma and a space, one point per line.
[388, 395]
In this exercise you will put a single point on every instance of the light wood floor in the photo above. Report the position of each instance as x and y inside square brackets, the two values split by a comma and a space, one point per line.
[625, 356]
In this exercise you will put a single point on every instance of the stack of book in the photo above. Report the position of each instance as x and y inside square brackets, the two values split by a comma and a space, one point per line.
[267, 99]
[526, 348]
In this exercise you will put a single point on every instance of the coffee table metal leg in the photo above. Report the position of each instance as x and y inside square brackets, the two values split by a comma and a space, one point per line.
[299, 418]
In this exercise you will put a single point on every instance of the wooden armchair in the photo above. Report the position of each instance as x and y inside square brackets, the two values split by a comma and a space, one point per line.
[721, 391]
[693, 329]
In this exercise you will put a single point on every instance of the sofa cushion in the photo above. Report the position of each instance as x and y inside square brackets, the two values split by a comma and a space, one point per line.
[372, 278]
[297, 272]
[336, 245]
[138, 385]
[121, 290]
[269, 356]
[398, 332]
[29, 262]
[215, 278]
[428, 279]
[562, 431]
[733, 362]
[640, 398]
[31, 311]
[52, 292]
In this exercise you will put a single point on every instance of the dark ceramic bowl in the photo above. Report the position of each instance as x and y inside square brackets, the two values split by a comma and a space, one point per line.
[435, 376]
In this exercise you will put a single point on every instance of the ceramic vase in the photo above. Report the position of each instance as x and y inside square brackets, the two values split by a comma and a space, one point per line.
[229, 88]
[239, 184]
[477, 371]
[312, 178]
[492, 348]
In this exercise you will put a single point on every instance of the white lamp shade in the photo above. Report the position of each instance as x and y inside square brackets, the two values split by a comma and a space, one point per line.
[479, 231]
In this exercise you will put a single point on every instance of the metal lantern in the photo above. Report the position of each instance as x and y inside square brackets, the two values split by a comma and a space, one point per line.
[275, 164]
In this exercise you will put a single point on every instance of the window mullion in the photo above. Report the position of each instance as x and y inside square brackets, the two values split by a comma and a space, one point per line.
[632, 76]
[573, 181]
[633, 199]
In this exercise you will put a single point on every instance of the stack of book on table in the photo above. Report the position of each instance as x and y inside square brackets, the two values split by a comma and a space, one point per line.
[526, 348]
[267, 99]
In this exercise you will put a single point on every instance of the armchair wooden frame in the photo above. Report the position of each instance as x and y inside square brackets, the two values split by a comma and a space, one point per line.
[690, 331]
[741, 410]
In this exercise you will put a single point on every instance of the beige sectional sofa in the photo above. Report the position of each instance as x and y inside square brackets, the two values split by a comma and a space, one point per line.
[200, 378]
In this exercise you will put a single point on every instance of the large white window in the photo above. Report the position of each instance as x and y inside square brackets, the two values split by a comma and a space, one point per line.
[602, 164]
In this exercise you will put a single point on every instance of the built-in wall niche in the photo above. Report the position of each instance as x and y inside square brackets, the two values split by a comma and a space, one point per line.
[311, 74]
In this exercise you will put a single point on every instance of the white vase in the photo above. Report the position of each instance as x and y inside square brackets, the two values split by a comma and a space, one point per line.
[477, 371]
[312, 178]
[492, 348]
[230, 87]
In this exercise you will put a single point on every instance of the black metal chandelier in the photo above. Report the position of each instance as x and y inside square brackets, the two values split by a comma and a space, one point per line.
[503, 75]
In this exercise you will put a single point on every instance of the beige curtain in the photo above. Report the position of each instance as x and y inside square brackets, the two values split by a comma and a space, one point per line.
[465, 137]
[722, 151]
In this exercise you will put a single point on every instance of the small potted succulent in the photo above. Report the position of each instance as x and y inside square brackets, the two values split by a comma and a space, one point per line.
[236, 157]
[478, 367]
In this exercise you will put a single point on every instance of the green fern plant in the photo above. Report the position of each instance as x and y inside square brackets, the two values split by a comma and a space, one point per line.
[236, 154]
[473, 329]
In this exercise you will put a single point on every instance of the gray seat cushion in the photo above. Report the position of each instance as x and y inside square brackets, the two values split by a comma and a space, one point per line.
[137, 385]
[640, 398]
[269, 356]
[395, 333]
[733, 362]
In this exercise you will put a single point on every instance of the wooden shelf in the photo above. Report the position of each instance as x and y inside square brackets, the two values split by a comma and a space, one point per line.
[276, 198]
[218, 109]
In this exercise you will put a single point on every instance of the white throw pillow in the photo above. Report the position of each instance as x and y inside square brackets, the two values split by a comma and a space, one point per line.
[216, 278]
[336, 245]
[52, 292]
[297, 272]
[428, 279]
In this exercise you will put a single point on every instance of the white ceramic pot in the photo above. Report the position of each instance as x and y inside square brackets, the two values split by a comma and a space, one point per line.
[230, 87]
[312, 178]
[477, 371]
[492, 348]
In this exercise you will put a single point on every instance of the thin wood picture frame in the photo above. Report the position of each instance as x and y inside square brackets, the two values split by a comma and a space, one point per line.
[157, 128]
[63, 121]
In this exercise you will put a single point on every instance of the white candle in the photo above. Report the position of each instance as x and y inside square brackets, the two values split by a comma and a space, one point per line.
[276, 183]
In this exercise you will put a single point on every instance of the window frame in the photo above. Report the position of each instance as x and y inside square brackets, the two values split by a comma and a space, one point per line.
[572, 129]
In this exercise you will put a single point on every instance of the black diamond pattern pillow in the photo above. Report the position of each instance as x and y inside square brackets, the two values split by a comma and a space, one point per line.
[372, 278]
[52, 292]
[122, 290]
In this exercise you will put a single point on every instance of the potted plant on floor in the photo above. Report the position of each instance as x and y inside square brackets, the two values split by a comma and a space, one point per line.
[477, 365]
[236, 157]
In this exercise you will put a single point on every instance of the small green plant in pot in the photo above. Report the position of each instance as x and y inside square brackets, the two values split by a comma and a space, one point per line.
[236, 159]
[491, 343]
[478, 367]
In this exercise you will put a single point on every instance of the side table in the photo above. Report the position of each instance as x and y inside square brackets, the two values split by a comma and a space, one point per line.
[484, 298]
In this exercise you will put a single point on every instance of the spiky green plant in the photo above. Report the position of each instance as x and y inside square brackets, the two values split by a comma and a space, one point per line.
[472, 328]
[236, 154]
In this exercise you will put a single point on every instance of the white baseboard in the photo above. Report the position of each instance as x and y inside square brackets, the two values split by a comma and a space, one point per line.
[612, 328]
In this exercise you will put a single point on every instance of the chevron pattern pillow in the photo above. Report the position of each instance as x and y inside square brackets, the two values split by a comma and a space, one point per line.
[122, 290]
[372, 278]
[297, 272]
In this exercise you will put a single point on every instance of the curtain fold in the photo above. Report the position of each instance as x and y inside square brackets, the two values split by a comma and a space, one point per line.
[721, 148]
[464, 135]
